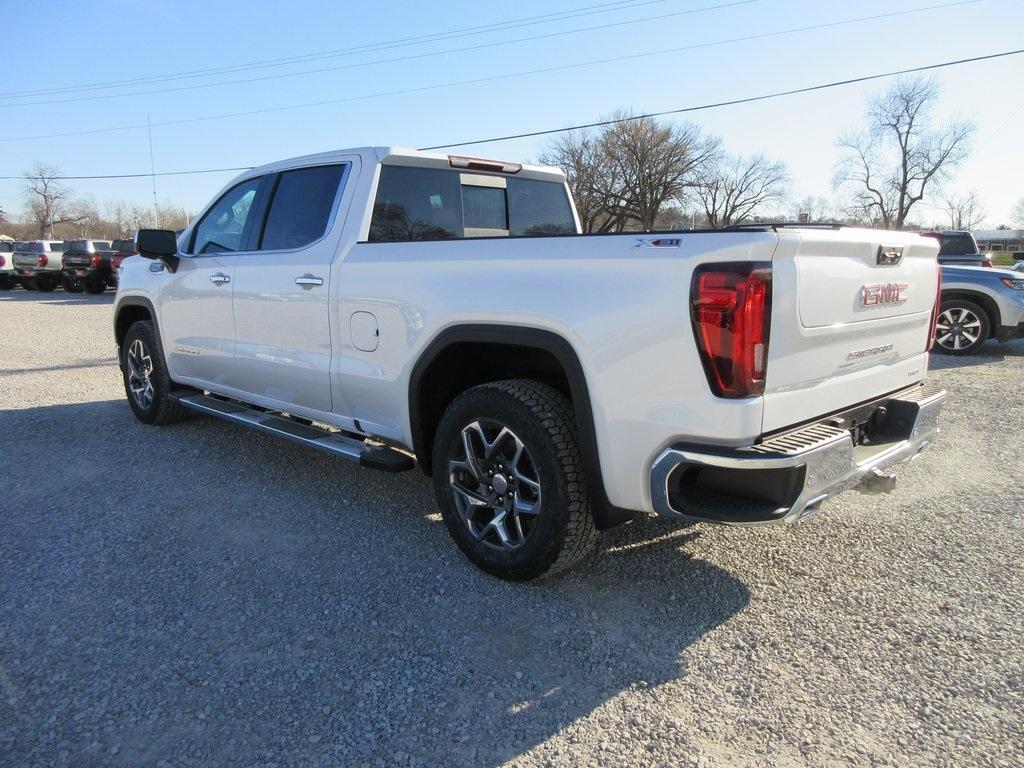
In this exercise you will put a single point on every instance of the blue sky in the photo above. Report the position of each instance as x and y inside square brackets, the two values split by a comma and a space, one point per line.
[79, 43]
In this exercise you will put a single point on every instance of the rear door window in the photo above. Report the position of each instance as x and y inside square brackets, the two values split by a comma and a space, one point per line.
[301, 207]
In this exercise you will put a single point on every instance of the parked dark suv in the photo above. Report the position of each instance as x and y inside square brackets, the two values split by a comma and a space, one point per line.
[957, 247]
[87, 265]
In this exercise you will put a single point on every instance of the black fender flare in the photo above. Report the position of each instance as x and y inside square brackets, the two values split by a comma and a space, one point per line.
[134, 301]
[606, 515]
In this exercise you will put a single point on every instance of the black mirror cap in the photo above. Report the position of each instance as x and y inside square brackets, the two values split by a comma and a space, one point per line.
[156, 243]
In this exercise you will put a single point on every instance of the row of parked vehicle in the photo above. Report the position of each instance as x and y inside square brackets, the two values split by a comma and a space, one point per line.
[77, 265]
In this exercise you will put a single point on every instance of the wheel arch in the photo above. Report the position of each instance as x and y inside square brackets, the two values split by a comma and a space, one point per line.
[481, 351]
[132, 309]
[987, 303]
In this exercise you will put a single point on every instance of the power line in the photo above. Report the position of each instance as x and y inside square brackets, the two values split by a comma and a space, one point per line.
[681, 110]
[410, 57]
[141, 175]
[493, 78]
[546, 18]
[732, 102]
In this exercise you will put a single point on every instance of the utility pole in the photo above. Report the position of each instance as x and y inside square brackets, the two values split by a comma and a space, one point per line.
[152, 171]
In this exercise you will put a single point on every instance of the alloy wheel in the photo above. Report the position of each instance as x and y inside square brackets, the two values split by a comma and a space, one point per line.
[140, 373]
[495, 484]
[958, 328]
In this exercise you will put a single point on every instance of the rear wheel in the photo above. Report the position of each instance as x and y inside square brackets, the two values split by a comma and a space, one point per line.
[962, 328]
[146, 381]
[29, 284]
[509, 480]
[45, 284]
[6, 283]
[72, 285]
[94, 286]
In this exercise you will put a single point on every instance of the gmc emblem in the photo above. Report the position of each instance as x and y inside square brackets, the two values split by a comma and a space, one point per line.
[883, 293]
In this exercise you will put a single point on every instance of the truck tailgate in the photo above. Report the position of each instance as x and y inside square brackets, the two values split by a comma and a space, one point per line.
[851, 319]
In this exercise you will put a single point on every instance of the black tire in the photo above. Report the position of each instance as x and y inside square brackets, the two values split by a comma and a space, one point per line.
[29, 284]
[72, 285]
[963, 327]
[160, 408]
[94, 286]
[541, 418]
[45, 284]
[6, 283]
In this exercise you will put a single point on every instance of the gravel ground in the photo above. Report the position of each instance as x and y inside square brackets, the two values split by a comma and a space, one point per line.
[198, 595]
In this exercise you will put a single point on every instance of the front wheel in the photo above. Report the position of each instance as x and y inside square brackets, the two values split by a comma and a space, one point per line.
[146, 381]
[509, 480]
[962, 327]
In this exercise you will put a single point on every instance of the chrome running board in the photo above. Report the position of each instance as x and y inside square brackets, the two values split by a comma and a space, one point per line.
[338, 443]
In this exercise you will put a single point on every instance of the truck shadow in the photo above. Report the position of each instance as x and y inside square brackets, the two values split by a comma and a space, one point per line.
[226, 595]
[56, 297]
[991, 351]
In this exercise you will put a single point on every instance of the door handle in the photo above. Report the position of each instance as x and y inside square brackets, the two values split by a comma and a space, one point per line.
[220, 278]
[309, 280]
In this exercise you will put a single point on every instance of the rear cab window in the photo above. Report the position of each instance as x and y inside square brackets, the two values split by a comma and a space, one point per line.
[416, 203]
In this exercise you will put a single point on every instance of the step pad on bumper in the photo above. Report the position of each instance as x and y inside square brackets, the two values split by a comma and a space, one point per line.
[338, 443]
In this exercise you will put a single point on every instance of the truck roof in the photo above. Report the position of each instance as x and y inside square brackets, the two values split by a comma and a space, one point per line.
[416, 157]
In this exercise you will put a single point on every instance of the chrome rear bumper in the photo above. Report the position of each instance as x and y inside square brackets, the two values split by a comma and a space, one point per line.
[786, 477]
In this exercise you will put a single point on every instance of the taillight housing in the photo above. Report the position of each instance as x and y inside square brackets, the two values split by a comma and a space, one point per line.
[42, 260]
[730, 305]
[934, 331]
[2, 260]
[96, 261]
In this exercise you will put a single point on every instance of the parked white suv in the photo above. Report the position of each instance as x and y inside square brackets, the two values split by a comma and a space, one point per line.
[396, 307]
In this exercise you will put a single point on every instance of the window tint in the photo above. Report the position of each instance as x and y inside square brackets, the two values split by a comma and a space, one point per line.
[301, 207]
[435, 204]
[538, 208]
[222, 227]
[956, 245]
[484, 208]
[416, 204]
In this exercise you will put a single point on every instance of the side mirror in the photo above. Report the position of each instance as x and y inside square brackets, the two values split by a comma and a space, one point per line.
[158, 244]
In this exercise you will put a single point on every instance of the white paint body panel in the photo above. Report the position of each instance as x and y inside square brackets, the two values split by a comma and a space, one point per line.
[624, 309]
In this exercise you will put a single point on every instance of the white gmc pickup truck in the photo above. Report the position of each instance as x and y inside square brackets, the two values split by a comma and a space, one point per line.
[398, 308]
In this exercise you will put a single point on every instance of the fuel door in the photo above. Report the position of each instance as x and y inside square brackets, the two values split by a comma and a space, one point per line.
[365, 331]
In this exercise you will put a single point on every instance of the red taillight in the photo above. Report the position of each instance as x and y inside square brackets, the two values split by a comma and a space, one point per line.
[731, 312]
[43, 261]
[2, 260]
[935, 309]
[96, 261]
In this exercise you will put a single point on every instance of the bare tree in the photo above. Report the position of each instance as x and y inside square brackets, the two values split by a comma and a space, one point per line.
[734, 188]
[892, 164]
[47, 198]
[594, 187]
[626, 175]
[965, 211]
[818, 208]
[1018, 213]
[655, 163]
